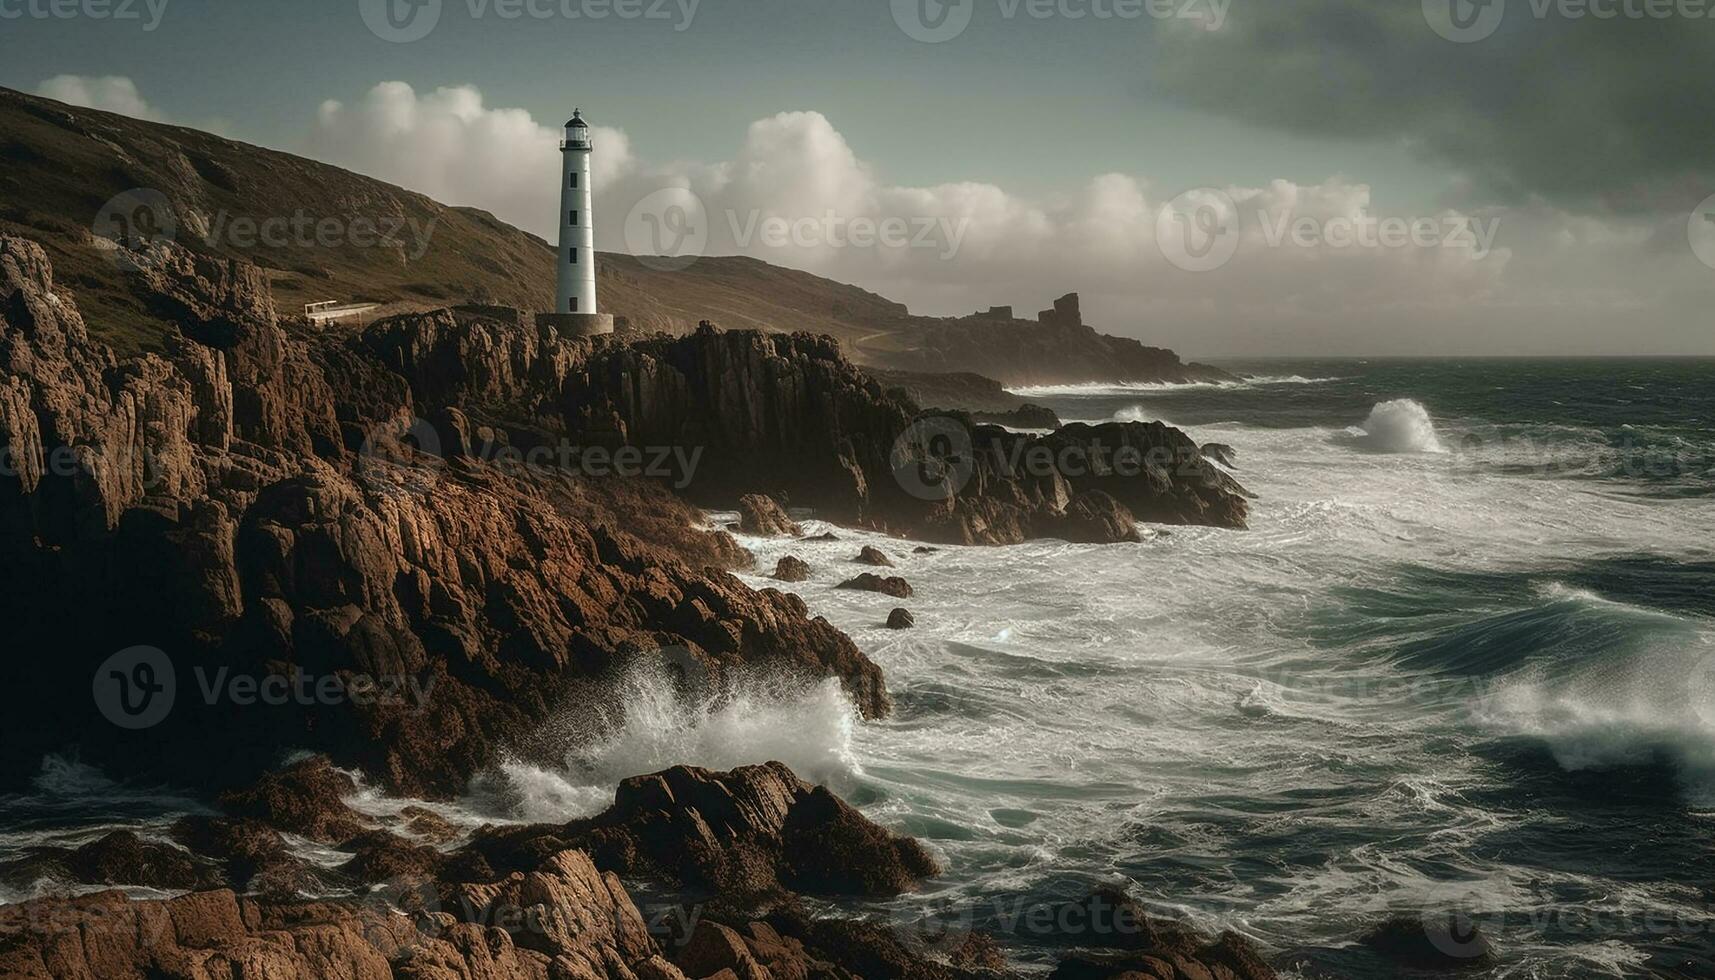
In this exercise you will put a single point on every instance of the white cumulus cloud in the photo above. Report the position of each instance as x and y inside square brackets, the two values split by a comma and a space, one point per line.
[108, 93]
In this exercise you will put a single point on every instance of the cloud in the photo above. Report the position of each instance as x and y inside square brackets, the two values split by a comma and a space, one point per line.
[1313, 267]
[108, 93]
[1605, 113]
[449, 145]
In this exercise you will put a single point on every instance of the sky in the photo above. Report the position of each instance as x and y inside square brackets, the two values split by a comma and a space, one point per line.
[1225, 177]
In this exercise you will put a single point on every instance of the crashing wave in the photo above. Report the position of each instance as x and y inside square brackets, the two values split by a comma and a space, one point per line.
[1400, 426]
[654, 724]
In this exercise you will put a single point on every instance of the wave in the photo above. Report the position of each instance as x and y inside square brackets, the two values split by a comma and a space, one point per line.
[649, 723]
[1125, 387]
[1399, 426]
[1623, 686]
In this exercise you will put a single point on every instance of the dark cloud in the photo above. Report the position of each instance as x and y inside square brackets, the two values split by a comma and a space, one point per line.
[1595, 114]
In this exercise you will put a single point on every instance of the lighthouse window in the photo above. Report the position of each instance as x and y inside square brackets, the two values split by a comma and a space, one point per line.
[574, 219]
[574, 302]
[574, 256]
[574, 182]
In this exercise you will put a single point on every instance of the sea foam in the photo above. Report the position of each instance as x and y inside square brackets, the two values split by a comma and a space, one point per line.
[651, 724]
[1400, 426]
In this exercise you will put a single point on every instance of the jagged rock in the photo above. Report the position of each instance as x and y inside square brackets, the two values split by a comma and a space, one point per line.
[253, 853]
[1222, 453]
[978, 951]
[756, 830]
[429, 825]
[307, 798]
[251, 503]
[383, 856]
[901, 619]
[873, 556]
[563, 917]
[792, 569]
[824, 536]
[1094, 517]
[924, 549]
[762, 516]
[1026, 416]
[871, 582]
[119, 858]
[1120, 939]
[828, 437]
[1432, 942]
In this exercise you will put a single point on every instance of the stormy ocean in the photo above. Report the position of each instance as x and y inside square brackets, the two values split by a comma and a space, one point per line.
[1462, 663]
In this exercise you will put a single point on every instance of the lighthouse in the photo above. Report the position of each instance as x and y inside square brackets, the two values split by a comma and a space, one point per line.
[575, 312]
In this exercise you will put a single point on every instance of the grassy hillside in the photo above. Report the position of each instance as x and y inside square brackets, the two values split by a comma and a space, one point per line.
[62, 165]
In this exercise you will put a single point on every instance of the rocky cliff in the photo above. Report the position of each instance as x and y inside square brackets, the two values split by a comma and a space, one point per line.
[241, 505]
[789, 416]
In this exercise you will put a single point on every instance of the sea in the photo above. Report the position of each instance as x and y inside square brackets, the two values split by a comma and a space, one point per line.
[1461, 667]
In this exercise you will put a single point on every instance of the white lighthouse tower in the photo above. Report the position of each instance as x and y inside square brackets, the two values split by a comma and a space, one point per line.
[575, 312]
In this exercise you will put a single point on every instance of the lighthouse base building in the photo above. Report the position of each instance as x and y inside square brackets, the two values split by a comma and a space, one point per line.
[575, 313]
[576, 324]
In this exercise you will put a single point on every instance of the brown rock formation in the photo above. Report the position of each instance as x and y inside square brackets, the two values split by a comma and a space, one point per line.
[756, 830]
[792, 569]
[763, 517]
[873, 557]
[250, 505]
[1118, 938]
[892, 585]
[790, 413]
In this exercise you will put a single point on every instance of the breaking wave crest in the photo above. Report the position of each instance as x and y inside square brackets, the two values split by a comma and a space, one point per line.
[650, 723]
